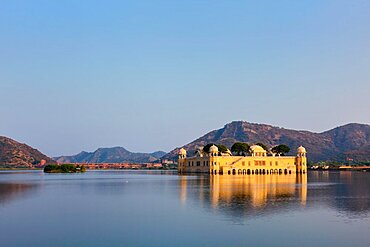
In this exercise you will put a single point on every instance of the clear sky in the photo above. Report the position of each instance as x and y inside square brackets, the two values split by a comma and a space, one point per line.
[154, 75]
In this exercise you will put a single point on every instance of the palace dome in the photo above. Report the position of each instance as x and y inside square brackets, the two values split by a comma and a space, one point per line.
[182, 151]
[257, 149]
[213, 149]
[301, 149]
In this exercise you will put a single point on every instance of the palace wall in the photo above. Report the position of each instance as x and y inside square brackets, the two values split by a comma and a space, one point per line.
[248, 165]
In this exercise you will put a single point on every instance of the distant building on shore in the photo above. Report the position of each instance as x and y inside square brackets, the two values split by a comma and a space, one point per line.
[258, 162]
[93, 166]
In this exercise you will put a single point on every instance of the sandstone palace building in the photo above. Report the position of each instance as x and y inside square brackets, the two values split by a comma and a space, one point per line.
[258, 162]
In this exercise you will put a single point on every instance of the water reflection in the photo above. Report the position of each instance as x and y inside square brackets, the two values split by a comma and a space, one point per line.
[12, 191]
[245, 195]
[257, 190]
[135, 208]
[346, 192]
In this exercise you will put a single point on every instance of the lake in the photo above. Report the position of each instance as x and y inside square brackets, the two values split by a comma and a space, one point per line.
[158, 208]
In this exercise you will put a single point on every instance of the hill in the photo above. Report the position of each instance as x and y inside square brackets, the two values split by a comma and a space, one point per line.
[14, 154]
[348, 141]
[111, 155]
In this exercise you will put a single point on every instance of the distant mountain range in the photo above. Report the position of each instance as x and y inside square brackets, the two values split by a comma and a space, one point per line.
[338, 144]
[348, 141]
[15, 154]
[111, 155]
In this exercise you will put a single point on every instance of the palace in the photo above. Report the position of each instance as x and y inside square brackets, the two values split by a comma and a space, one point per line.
[258, 162]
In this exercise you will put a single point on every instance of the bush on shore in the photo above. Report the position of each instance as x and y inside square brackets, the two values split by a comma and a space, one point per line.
[64, 168]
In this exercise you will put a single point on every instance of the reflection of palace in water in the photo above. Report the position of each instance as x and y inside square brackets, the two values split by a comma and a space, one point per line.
[246, 192]
[347, 192]
[257, 188]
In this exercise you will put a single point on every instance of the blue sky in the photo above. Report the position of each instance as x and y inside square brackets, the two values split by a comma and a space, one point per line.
[154, 75]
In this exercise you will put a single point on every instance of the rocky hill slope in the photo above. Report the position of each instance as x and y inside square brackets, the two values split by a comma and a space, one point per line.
[111, 155]
[348, 141]
[15, 154]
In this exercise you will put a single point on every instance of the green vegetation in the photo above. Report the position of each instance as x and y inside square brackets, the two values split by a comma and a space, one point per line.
[65, 168]
[240, 148]
[280, 149]
[222, 148]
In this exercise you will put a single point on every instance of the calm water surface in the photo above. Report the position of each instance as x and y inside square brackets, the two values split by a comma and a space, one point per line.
[144, 208]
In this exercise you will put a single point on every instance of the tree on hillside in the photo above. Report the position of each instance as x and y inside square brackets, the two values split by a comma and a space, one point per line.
[281, 149]
[240, 148]
[222, 148]
[262, 145]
